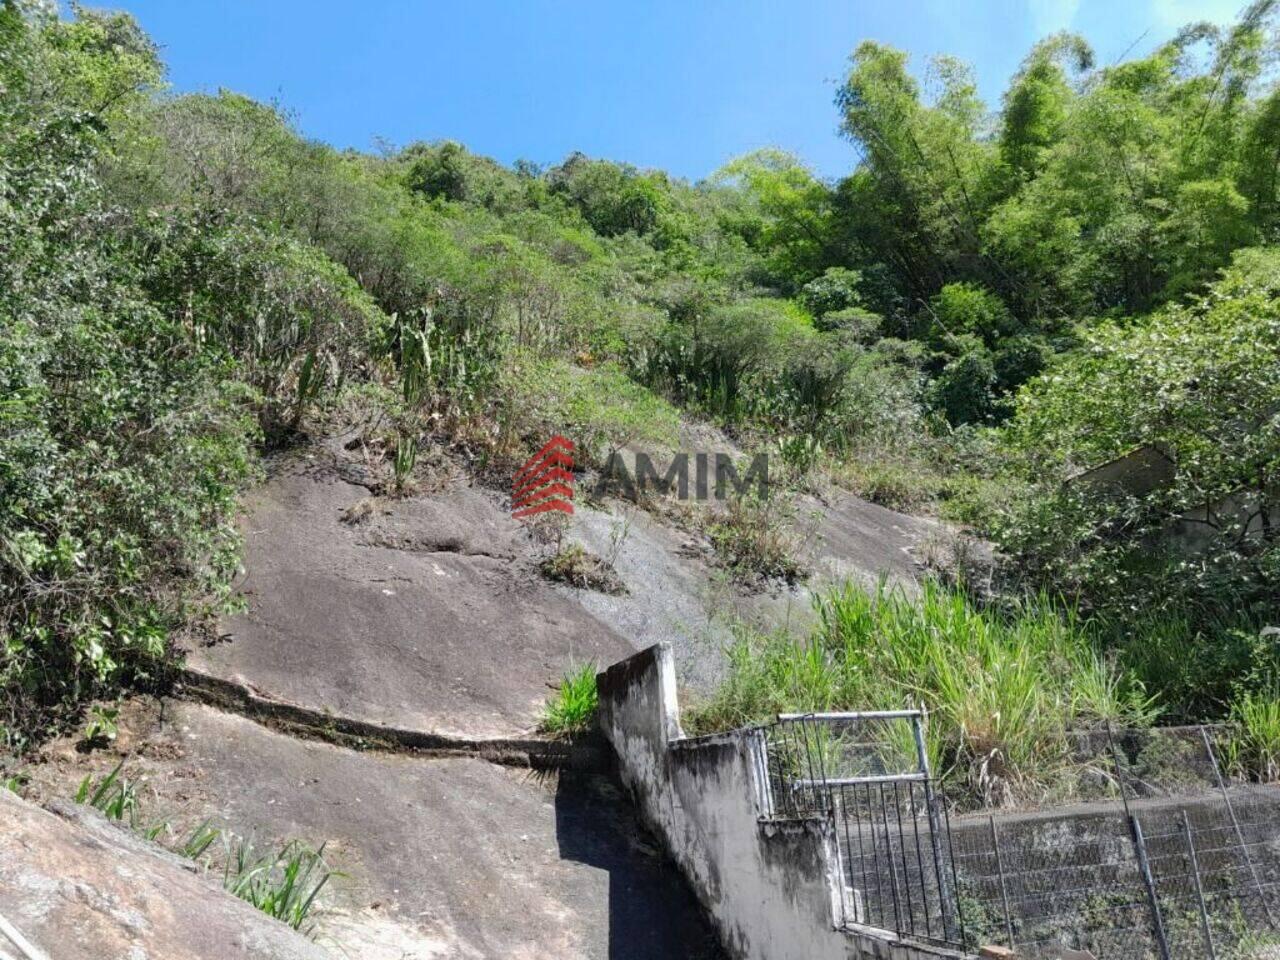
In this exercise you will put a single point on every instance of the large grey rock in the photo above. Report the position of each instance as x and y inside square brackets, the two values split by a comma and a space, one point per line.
[424, 614]
[437, 859]
[80, 888]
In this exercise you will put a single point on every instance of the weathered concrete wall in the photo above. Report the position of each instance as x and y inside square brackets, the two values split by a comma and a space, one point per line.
[1061, 868]
[770, 886]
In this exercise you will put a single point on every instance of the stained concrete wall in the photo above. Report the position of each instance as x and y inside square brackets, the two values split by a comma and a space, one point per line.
[770, 886]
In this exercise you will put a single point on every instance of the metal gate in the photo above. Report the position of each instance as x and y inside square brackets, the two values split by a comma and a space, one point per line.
[869, 774]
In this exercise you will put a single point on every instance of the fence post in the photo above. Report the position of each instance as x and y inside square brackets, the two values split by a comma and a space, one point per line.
[1195, 875]
[1004, 892]
[1144, 865]
[1231, 811]
[945, 894]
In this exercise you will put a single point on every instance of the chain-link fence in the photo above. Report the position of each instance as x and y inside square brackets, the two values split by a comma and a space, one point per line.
[1162, 854]
[1145, 844]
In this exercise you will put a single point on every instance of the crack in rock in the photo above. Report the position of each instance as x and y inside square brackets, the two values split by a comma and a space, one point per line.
[429, 545]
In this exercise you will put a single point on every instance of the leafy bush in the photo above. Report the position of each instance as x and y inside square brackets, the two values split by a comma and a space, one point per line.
[965, 389]
[1199, 381]
[966, 308]
[836, 290]
[123, 441]
[294, 322]
[599, 408]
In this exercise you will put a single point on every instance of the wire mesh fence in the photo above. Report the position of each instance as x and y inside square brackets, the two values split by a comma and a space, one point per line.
[1163, 855]
[1144, 846]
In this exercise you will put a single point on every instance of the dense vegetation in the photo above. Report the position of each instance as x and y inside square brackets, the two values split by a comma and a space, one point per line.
[986, 305]
[1004, 688]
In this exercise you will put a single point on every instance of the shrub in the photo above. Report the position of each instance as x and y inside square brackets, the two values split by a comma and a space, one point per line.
[295, 322]
[965, 308]
[1200, 381]
[835, 290]
[123, 440]
[600, 409]
[965, 389]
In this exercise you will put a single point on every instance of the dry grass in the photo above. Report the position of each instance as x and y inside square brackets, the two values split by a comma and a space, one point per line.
[578, 567]
[754, 538]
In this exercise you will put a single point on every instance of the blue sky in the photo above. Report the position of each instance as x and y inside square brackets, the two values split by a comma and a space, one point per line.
[679, 84]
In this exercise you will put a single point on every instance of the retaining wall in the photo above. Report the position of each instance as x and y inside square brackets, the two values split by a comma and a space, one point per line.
[771, 887]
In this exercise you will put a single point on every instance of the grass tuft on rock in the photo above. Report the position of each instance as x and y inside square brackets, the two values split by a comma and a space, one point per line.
[572, 709]
[754, 539]
[575, 565]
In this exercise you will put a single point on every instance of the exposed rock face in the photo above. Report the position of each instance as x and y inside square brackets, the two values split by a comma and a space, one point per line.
[81, 888]
[413, 613]
[426, 614]
[437, 858]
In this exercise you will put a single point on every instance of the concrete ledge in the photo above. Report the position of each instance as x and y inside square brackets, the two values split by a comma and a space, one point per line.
[534, 752]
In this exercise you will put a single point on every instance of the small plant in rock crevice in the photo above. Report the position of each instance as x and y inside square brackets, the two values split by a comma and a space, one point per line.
[283, 882]
[114, 796]
[578, 567]
[753, 538]
[572, 709]
[406, 457]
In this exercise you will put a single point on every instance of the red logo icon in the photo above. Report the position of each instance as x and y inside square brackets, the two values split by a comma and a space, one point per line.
[545, 482]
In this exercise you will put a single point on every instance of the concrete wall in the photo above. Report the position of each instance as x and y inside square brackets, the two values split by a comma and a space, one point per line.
[1065, 870]
[770, 886]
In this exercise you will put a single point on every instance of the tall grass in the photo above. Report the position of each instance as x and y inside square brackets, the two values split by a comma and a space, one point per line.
[1002, 686]
[1254, 745]
[573, 707]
